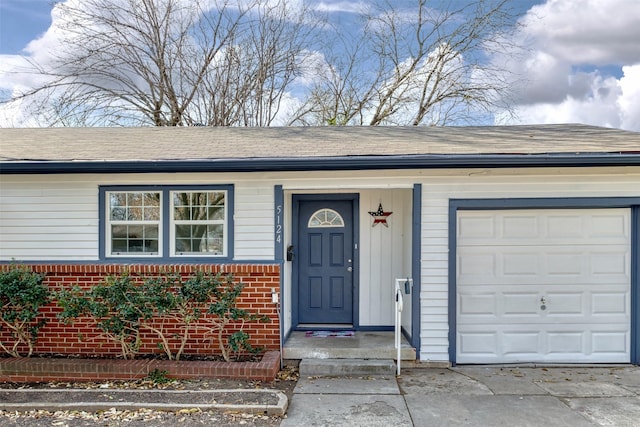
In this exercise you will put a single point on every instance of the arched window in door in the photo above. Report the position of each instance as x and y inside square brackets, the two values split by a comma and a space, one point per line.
[324, 218]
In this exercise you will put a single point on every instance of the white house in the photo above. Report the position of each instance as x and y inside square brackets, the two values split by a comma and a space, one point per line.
[522, 242]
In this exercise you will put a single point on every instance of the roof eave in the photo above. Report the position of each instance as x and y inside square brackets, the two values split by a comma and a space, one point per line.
[429, 161]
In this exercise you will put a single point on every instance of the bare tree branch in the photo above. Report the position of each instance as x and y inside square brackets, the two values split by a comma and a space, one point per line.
[241, 63]
[171, 62]
[415, 67]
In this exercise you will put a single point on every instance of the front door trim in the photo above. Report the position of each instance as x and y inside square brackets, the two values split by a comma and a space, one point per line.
[295, 234]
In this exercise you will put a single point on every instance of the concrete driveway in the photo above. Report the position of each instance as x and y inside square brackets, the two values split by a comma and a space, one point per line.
[472, 396]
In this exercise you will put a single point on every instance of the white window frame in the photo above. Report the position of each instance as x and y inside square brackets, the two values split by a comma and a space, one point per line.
[324, 223]
[173, 223]
[109, 223]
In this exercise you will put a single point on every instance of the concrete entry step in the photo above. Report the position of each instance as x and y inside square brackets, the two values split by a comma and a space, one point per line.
[346, 367]
[363, 345]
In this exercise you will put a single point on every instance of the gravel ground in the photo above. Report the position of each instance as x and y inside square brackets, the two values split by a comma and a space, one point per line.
[285, 382]
[139, 418]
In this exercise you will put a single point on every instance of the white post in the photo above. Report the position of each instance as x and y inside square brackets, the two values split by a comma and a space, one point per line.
[398, 325]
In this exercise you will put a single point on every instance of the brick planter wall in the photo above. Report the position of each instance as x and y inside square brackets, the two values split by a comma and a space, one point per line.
[35, 369]
[83, 339]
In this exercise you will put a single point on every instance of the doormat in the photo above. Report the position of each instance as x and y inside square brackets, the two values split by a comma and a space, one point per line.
[326, 334]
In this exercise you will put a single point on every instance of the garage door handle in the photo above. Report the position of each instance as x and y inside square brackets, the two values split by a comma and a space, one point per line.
[543, 304]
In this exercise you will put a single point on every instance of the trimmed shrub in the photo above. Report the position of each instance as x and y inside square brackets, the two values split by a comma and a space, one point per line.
[22, 294]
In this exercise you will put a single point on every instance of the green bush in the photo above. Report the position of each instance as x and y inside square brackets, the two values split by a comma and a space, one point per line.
[122, 305]
[118, 306]
[22, 294]
[223, 304]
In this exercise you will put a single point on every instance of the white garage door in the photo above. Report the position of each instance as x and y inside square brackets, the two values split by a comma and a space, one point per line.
[543, 286]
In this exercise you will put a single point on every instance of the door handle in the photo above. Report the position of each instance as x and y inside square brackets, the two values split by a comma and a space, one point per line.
[349, 269]
[543, 303]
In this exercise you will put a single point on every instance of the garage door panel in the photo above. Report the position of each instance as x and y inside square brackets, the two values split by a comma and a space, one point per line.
[563, 304]
[520, 227]
[502, 305]
[564, 344]
[609, 342]
[516, 304]
[478, 226]
[521, 263]
[569, 263]
[544, 286]
[525, 227]
[478, 264]
[478, 304]
[609, 303]
[478, 343]
[520, 342]
[564, 265]
[564, 226]
[613, 226]
[609, 263]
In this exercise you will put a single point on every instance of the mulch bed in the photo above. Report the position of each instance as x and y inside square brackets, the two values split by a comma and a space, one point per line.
[176, 397]
[284, 382]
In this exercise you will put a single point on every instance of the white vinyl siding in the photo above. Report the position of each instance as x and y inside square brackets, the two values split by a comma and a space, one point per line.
[48, 218]
[254, 221]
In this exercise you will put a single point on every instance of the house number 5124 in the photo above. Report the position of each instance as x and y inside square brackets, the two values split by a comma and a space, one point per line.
[279, 223]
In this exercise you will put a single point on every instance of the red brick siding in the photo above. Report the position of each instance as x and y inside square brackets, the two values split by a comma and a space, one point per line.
[83, 339]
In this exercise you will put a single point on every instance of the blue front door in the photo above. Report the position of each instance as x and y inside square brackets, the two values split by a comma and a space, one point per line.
[325, 261]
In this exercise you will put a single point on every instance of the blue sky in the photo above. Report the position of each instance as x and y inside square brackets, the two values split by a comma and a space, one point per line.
[582, 63]
[22, 21]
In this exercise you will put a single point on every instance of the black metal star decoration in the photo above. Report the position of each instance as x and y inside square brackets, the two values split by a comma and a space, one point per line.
[380, 216]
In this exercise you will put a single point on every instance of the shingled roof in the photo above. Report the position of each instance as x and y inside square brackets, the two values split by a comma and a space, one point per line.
[146, 149]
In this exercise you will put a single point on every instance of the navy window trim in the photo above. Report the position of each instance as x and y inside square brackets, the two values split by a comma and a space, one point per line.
[632, 203]
[165, 224]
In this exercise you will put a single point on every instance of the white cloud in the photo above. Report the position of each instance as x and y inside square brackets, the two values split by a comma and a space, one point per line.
[596, 99]
[598, 107]
[597, 32]
[9, 65]
[18, 72]
[629, 102]
[341, 6]
[582, 64]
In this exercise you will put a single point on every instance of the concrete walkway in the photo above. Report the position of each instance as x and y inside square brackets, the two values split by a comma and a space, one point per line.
[472, 396]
